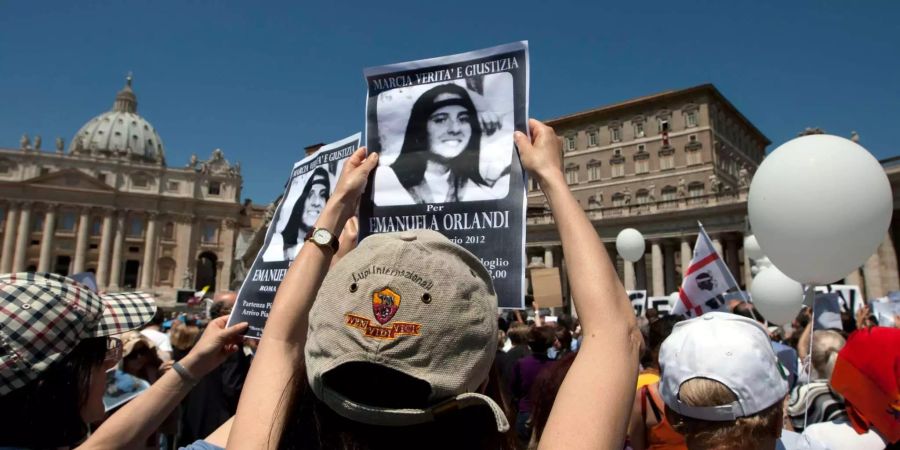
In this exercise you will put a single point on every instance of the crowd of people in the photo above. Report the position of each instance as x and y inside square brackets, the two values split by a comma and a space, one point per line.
[435, 366]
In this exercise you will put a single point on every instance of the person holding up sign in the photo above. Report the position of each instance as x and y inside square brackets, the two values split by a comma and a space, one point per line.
[370, 355]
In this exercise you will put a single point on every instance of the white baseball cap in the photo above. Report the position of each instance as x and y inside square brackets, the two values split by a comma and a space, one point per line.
[730, 349]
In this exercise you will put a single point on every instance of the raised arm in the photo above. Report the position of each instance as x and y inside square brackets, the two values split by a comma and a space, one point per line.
[279, 358]
[595, 399]
[130, 426]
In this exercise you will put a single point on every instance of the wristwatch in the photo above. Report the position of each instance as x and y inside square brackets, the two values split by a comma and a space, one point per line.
[322, 238]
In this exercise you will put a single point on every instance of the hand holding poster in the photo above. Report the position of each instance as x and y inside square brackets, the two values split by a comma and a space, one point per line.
[312, 181]
[443, 128]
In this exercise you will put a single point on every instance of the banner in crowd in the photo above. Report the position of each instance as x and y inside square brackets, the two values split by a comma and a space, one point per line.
[849, 294]
[705, 281]
[661, 304]
[312, 181]
[443, 128]
[638, 302]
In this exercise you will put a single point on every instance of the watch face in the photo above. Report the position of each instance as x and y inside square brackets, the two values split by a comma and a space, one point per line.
[322, 237]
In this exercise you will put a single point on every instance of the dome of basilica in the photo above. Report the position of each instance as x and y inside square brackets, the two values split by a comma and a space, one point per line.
[120, 133]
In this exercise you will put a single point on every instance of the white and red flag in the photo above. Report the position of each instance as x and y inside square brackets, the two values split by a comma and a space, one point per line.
[705, 280]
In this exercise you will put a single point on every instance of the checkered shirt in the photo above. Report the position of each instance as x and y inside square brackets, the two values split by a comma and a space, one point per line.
[44, 316]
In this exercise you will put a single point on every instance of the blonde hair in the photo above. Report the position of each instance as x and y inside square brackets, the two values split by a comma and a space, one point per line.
[743, 433]
[825, 347]
[183, 336]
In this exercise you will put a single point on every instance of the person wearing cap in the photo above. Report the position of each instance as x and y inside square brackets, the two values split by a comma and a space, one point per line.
[305, 211]
[867, 375]
[723, 386]
[56, 344]
[394, 347]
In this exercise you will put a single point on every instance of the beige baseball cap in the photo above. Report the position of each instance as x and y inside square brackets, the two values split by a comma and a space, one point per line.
[403, 329]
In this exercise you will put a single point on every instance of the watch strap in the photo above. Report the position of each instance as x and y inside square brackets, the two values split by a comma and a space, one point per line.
[333, 242]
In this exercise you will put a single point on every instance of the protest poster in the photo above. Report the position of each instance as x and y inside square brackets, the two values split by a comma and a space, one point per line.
[638, 302]
[546, 287]
[849, 294]
[663, 305]
[443, 129]
[311, 183]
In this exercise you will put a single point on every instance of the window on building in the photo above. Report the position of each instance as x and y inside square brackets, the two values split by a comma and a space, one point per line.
[101, 176]
[692, 138]
[532, 184]
[173, 186]
[618, 199]
[663, 126]
[66, 222]
[639, 129]
[593, 139]
[669, 193]
[215, 188]
[168, 231]
[641, 165]
[6, 167]
[593, 168]
[136, 227]
[572, 174]
[96, 226]
[642, 197]
[593, 202]
[690, 119]
[696, 189]
[37, 222]
[618, 169]
[140, 180]
[615, 134]
[45, 171]
[210, 231]
[667, 161]
[694, 156]
[570, 143]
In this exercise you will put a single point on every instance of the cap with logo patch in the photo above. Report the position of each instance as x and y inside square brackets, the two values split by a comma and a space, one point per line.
[730, 349]
[410, 302]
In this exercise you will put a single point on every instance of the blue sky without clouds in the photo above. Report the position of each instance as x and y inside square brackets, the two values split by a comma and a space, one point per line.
[261, 80]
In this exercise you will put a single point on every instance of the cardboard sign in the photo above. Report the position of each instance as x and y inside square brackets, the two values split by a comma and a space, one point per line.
[638, 302]
[547, 288]
[849, 294]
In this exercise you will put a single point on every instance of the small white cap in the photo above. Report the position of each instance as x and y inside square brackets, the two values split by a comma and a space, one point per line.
[730, 349]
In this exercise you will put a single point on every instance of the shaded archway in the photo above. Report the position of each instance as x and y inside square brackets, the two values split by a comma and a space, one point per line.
[206, 271]
[130, 277]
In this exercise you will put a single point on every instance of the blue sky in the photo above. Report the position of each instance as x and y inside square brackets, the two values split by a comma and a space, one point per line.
[261, 80]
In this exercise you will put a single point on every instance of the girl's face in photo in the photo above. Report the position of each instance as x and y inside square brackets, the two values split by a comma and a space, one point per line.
[315, 201]
[449, 131]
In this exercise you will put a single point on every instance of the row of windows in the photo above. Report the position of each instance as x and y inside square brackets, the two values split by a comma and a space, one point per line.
[615, 132]
[134, 227]
[641, 166]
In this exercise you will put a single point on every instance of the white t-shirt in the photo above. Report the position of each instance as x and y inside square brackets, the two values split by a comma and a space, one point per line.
[160, 339]
[790, 440]
[839, 434]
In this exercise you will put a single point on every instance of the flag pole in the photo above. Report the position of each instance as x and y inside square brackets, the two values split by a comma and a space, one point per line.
[728, 270]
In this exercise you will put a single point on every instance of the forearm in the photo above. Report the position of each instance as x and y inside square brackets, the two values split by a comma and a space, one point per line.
[130, 426]
[600, 298]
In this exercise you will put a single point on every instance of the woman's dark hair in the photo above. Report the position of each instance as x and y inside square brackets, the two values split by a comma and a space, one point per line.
[564, 336]
[410, 165]
[311, 424]
[659, 331]
[46, 413]
[541, 338]
[544, 390]
[295, 225]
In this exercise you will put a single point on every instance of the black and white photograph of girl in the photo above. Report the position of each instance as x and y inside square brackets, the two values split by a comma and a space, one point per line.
[298, 213]
[445, 142]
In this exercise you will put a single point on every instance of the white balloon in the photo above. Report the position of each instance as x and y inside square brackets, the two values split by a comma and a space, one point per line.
[776, 296]
[751, 248]
[819, 206]
[630, 244]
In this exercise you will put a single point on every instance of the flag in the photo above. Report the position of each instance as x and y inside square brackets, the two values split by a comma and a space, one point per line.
[705, 281]
[198, 296]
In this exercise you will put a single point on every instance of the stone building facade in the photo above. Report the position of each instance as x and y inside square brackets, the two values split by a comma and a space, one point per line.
[660, 164]
[111, 205]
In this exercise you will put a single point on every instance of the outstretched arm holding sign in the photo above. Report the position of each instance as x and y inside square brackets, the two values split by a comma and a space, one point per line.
[260, 412]
[594, 401]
